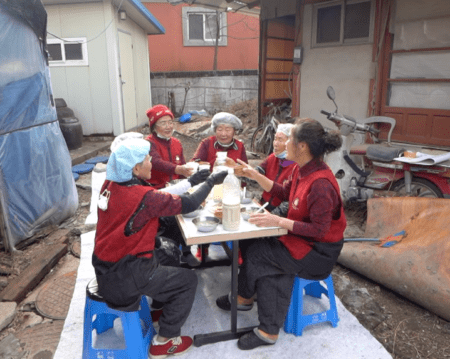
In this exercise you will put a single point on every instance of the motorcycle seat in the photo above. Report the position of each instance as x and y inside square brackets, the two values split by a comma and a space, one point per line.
[383, 153]
[359, 150]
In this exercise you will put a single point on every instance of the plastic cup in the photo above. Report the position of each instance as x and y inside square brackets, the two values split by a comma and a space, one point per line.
[192, 165]
[204, 166]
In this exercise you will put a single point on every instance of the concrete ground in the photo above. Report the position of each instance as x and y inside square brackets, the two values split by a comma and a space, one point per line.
[349, 340]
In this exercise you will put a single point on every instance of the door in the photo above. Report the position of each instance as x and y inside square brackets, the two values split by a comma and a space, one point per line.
[127, 79]
[416, 81]
[276, 53]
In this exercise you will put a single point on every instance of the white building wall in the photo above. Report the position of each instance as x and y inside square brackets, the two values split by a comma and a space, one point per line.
[347, 68]
[141, 66]
[86, 89]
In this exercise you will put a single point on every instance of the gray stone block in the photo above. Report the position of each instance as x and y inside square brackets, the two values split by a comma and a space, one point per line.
[7, 313]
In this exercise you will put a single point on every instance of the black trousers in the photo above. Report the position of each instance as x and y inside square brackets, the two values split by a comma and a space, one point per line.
[269, 271]
[175, 287]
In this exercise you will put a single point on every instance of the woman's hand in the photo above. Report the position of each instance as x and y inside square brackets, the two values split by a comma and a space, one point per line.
[246, 171]
[265, 219]
[184, 171]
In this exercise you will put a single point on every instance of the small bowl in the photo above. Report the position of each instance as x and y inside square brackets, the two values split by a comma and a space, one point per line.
[246, 200]
[248, 197]
[248, 211]
[193, 213]
[206, 224]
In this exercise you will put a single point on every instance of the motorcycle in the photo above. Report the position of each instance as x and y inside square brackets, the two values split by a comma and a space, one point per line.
[378, 174]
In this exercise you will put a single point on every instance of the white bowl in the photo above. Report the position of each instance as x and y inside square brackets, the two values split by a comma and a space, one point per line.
[193, 213]
[246, 212]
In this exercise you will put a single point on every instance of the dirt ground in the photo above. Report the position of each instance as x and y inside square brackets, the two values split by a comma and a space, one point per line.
[405, 329]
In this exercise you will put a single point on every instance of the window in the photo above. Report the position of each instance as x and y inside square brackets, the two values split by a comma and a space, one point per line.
[67, 52]
[200, 27]
[420, 75]
[343, 22]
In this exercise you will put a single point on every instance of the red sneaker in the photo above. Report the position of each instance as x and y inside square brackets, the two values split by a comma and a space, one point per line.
[155, 315]
[173, 346]
[198, 255]
[240, 259]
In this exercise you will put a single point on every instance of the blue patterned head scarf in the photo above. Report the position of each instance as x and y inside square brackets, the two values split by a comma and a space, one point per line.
[125, 156]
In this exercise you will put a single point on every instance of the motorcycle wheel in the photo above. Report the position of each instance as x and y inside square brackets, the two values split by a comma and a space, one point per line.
[420, 187]
[260, 143]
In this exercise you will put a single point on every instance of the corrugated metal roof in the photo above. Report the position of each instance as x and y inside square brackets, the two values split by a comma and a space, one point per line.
[134, 9]
[142, 16]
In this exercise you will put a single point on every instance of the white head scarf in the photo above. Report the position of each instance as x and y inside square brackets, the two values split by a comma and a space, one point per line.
[225, 118]
[285, 128]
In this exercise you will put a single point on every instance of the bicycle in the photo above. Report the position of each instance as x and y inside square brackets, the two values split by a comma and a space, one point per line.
[263, 136]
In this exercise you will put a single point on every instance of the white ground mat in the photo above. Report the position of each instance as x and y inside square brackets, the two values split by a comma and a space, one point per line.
[349, 340]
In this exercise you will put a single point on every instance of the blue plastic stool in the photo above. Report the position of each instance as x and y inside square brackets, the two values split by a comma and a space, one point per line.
[295, 320]
[137, 337]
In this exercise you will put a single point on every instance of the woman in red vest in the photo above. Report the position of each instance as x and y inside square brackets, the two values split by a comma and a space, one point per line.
[125, 263]
[167, 151]
[224, 126]
[315, 224]
[276, 167]
[168, 164]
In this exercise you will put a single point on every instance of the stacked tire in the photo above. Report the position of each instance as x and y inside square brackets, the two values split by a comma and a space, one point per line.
[69, 124]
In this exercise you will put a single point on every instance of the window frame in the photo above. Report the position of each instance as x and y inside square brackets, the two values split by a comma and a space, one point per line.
[342, 41]
[187, 10]
[64, 62]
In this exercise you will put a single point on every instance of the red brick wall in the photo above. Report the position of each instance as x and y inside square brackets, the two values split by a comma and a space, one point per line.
[168, 54]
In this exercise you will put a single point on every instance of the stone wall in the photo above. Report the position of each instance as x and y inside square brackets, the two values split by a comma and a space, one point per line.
[207, 90]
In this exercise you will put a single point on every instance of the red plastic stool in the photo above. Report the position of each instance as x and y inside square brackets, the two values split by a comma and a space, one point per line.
[295, 320]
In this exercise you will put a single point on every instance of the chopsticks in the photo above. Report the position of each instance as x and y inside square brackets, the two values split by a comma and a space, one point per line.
[262, 207]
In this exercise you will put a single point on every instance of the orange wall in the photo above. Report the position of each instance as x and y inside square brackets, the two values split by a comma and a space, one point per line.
[167, 52]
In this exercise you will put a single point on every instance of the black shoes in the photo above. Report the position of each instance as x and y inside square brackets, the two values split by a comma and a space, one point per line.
[190, 260]
[253, 340]
[224, 303]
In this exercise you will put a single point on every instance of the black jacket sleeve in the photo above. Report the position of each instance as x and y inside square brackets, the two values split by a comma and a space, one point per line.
[190, 202]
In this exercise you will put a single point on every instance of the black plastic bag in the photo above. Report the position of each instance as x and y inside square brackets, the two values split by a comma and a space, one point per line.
[167, 252]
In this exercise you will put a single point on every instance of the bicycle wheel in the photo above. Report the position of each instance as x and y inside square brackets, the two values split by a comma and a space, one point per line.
[269, 139]
[260, 143]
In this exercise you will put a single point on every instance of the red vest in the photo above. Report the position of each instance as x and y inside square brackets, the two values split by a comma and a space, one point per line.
[172, 154]
[297, 245]
[111, 245]
[231, 152]
[278, 174]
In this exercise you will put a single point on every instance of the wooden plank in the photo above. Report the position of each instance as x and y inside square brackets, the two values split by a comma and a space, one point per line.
[33, 274]
[54, 234]
[59, 236]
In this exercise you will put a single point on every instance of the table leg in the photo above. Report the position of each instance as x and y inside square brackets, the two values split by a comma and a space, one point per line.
[234, 285]
[234, 333]
[203, 251]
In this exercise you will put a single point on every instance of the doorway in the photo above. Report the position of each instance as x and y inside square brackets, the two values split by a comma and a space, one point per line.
[127, 81]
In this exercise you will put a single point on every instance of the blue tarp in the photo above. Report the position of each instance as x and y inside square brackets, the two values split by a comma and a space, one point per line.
[36, 181]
